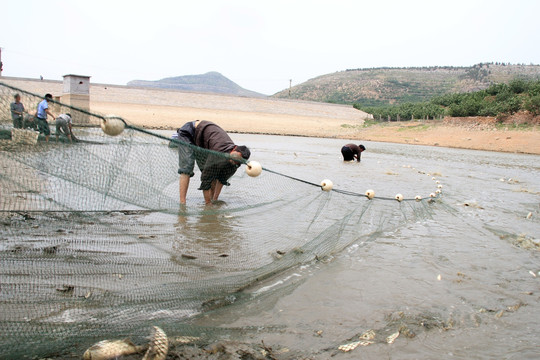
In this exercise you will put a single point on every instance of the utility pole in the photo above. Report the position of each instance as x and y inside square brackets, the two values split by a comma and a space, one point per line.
[1, 65]
[290, 85]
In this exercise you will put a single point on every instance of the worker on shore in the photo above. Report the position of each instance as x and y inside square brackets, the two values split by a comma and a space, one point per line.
[17, 112]
[215, 168]
[41, 114]
[352, 151]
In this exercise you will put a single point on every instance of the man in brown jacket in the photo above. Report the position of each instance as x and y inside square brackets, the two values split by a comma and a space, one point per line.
[215, 168]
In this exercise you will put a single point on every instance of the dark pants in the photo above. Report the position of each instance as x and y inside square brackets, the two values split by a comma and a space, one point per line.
[215, 167]
[18, 122]
[347, 153]
[43, 127]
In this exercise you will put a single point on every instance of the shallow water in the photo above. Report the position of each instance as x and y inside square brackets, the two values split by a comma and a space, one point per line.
[465, 280]
[460, 273]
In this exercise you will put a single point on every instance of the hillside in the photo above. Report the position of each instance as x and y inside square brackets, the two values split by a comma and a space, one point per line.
[384, 86]
[211, 82]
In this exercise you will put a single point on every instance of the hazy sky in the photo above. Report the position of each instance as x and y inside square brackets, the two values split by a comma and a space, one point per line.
[259, 44]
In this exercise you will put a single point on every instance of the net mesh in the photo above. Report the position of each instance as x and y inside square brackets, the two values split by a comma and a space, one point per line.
[94, 244]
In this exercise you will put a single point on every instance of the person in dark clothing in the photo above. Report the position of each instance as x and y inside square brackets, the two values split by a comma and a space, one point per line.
[216, 169]
[352, 151]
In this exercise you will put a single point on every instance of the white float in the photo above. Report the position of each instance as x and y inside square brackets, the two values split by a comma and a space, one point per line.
[417, 198]
[112, 125]
[399, 197]
[253, 168]
[370, 194]
[327, 185]
[432, 195]
[439, 186]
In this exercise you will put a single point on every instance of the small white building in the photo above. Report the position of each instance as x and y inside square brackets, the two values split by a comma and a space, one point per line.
[76, 84]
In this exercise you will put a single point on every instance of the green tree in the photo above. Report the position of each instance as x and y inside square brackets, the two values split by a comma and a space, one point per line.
[532, 104]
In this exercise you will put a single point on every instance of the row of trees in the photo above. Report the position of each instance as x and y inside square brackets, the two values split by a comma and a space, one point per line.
[497, 100]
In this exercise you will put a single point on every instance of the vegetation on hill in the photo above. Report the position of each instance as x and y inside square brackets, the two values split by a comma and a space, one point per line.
[394, 86]
[497, 100]
[211, 82]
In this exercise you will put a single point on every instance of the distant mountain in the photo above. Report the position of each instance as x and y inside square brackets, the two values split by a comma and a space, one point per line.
[384, 86]
[211, 82]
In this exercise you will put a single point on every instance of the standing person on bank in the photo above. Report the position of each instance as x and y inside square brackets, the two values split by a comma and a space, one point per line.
[41, 114]
[352, 151]
[17, 112]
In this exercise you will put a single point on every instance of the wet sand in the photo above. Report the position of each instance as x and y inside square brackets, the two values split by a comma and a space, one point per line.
[163, 109]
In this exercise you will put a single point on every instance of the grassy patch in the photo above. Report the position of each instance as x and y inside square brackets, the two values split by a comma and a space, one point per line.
[370, 122]
[524, 126]
[350, 126]
[419, 127]
[367, 123]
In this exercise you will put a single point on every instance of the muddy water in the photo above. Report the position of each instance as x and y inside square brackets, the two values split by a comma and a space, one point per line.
[457, 277]
[462, 283]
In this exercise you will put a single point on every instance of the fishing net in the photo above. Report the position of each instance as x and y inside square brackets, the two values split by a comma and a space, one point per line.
[94, 243]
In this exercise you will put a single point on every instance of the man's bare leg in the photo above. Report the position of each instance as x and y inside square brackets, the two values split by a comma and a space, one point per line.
[217, 190]
[207, 196]
[183, 187]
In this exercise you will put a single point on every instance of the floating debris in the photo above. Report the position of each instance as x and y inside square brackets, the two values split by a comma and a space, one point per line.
[473, 204]
[351, 346]
[529, 215]
[111, 349]
[318, 333]
[514, 308]
[406, 332]
[190, 257]
[50, 249]
[368, 335]
[159, 346]
[66, 289]
[392, 338]
[439, 277]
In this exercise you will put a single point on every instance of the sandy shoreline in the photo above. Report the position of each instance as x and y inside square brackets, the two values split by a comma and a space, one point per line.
[163, 109]
[437, 133]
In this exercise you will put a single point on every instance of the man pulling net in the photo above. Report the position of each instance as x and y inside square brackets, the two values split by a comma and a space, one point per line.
[215, 169]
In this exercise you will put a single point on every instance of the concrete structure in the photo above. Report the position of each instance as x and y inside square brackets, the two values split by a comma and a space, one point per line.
[76, 92]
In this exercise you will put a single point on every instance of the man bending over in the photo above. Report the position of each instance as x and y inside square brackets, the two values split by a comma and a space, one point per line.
[216, 169]
[352, 151]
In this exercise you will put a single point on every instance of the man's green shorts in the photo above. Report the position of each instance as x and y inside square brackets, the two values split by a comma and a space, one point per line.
[43, 127]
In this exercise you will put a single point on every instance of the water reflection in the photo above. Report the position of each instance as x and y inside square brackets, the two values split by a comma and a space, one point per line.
[212, 232]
